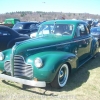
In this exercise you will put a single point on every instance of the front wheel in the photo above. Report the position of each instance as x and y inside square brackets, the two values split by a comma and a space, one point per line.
[61, 78]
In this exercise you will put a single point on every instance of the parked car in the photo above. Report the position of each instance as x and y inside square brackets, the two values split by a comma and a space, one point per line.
[10, 22]
[95, 31]
[62, 46]
[26, 27]
[8, 37]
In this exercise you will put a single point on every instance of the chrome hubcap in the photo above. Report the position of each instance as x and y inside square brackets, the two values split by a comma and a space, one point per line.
[63, 75]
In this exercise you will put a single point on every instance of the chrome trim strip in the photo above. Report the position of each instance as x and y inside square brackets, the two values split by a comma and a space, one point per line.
[58, 44]
[24, 81]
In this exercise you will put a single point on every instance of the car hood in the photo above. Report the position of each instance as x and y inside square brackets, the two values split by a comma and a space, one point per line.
[40, 42]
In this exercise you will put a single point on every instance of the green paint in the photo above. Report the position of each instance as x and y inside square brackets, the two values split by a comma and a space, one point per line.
[54, 50]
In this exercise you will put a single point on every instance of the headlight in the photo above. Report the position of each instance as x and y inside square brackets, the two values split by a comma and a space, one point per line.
[1, 56]
[38, 62]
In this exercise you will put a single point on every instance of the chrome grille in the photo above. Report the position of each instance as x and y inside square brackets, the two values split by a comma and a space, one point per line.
[21, 68]
[7, 67]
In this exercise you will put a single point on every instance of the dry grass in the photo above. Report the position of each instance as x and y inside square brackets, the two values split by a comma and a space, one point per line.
[83, 85]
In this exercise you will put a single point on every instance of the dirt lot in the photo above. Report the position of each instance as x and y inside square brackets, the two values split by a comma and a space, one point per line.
[82, 85]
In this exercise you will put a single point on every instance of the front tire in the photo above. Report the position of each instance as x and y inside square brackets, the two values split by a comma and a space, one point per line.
[61, 78]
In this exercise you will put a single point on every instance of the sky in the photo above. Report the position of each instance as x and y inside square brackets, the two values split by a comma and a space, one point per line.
[72, 6]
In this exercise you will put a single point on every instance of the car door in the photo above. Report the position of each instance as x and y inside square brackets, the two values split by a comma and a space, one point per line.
[5, 37]
[82, 43]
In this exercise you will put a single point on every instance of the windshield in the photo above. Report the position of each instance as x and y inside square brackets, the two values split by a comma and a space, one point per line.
[18, 26]
[58, 29]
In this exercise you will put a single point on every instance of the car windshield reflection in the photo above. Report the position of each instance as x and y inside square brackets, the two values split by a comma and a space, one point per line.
[57, 29]
[18, 26]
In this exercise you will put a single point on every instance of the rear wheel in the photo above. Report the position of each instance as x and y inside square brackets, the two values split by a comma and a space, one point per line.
[61, 77]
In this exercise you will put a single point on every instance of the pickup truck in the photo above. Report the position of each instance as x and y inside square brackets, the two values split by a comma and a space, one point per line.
[59, 49]
[10, 22]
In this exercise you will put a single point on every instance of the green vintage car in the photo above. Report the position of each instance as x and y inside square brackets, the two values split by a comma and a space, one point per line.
[61, 47]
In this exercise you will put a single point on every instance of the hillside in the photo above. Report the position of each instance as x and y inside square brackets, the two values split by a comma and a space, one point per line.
[41, 16]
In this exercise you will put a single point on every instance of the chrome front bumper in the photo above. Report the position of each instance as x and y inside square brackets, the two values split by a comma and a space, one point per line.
[24, 81]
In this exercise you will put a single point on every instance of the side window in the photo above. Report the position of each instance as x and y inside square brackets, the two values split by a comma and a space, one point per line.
[81, 30]
[33, 26]
[37, 25]
[4, 33]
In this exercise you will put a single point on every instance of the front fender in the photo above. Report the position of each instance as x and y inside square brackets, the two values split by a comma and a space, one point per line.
[51, 63]
[7, 54]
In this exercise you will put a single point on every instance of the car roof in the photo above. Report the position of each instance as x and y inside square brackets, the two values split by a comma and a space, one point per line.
[27, 22]
[64, 21]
